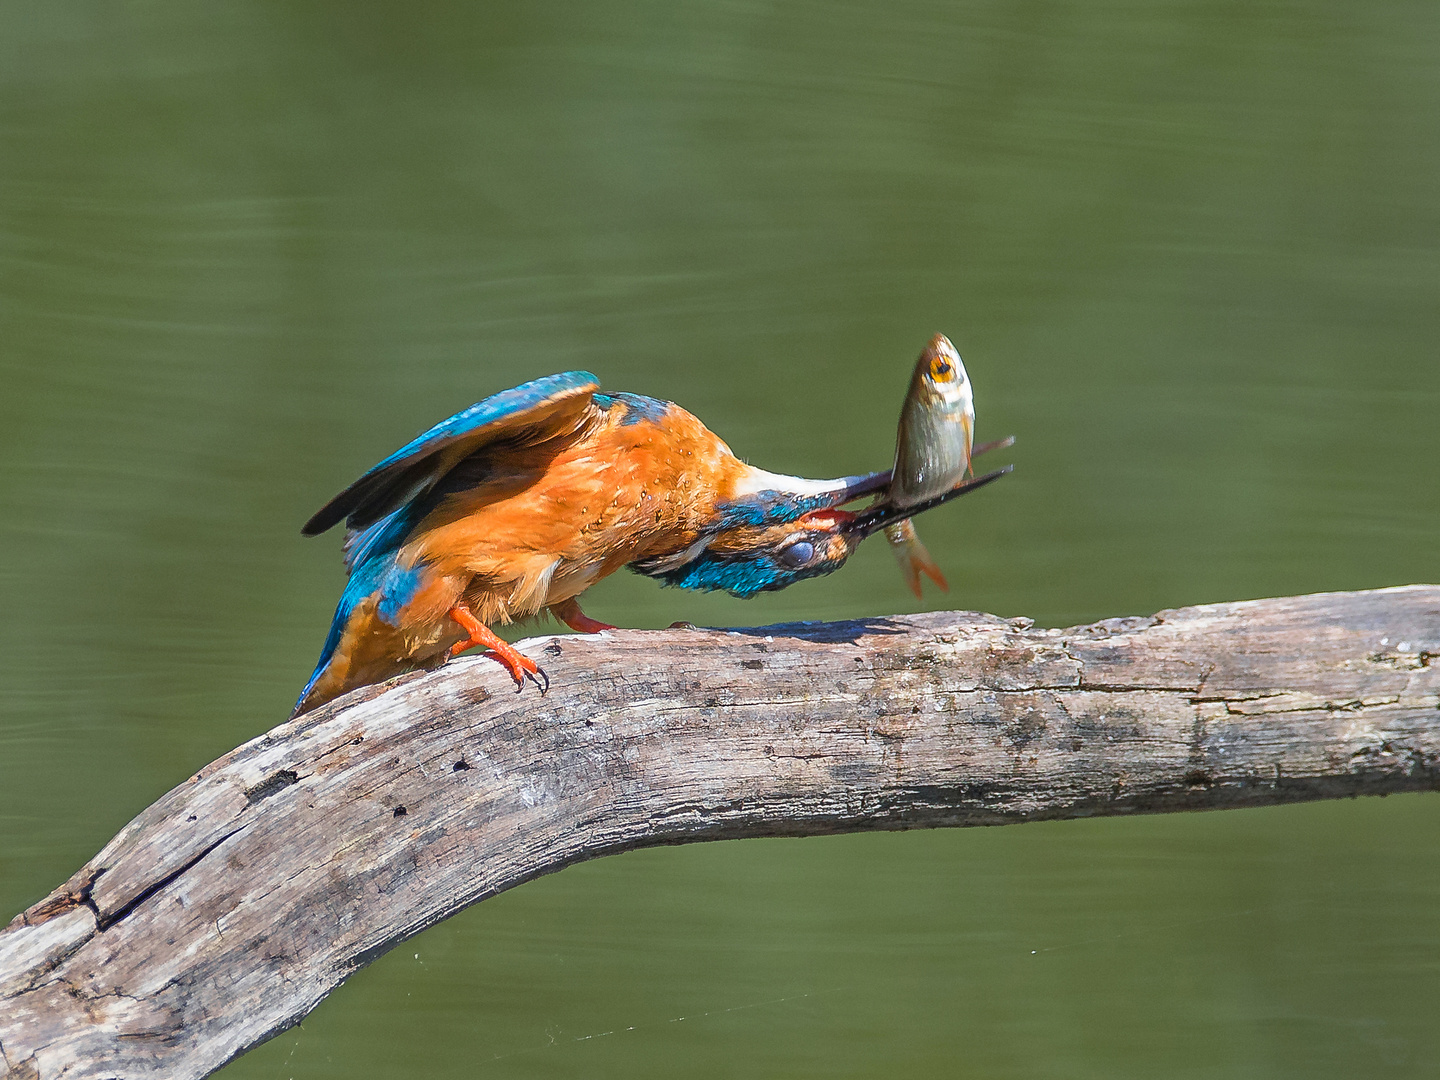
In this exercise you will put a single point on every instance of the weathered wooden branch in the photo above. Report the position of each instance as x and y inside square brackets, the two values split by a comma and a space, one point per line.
[227, 910]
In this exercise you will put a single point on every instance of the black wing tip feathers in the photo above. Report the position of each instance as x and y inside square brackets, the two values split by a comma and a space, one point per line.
[320, 522]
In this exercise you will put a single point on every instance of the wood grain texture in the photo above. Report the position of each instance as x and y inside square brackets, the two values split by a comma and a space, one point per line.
[227, 910]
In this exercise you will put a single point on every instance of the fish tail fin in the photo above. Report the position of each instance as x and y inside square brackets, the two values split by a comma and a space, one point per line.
[910, 553]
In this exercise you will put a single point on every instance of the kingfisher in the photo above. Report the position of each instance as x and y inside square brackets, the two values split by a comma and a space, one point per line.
[518, 504]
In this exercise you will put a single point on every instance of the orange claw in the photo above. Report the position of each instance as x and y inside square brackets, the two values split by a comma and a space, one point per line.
[520, 667]
[570, 614]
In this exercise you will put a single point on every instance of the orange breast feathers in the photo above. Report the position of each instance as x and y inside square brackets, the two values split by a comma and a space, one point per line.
[557, 516]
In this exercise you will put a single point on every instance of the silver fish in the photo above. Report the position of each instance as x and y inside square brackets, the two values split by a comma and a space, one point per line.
[932, 450]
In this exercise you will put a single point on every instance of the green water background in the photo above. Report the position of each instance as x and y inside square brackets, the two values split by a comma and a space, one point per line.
[1190, 252]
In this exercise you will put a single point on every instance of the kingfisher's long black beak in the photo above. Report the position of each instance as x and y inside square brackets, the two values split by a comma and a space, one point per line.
[877, 517]
[857, 487]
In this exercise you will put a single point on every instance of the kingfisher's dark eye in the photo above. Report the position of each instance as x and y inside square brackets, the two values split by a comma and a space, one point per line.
[797, 554]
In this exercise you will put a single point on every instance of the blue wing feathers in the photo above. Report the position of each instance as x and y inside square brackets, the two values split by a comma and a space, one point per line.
[383, 537]
[417, 465]
[501, 406]
[638, 407]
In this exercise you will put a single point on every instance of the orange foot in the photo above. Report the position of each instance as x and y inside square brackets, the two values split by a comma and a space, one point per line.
[570, 614]
[520, 667]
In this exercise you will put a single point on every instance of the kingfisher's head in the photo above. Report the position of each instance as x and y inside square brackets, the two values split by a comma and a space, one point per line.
[744, 559]
[777, 530]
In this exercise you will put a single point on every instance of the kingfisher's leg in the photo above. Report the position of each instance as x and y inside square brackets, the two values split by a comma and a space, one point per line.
[570, 614]
[520, 667]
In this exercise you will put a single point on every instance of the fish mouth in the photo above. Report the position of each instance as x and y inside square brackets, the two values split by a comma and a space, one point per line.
[877, 517]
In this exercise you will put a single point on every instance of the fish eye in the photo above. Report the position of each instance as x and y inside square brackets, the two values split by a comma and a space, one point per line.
[941, 370]
[797, 554]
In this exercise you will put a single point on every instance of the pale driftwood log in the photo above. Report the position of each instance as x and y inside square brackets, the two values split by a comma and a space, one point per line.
[227, 910]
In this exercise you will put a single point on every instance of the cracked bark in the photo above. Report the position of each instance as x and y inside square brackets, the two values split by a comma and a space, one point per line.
[227, 910]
